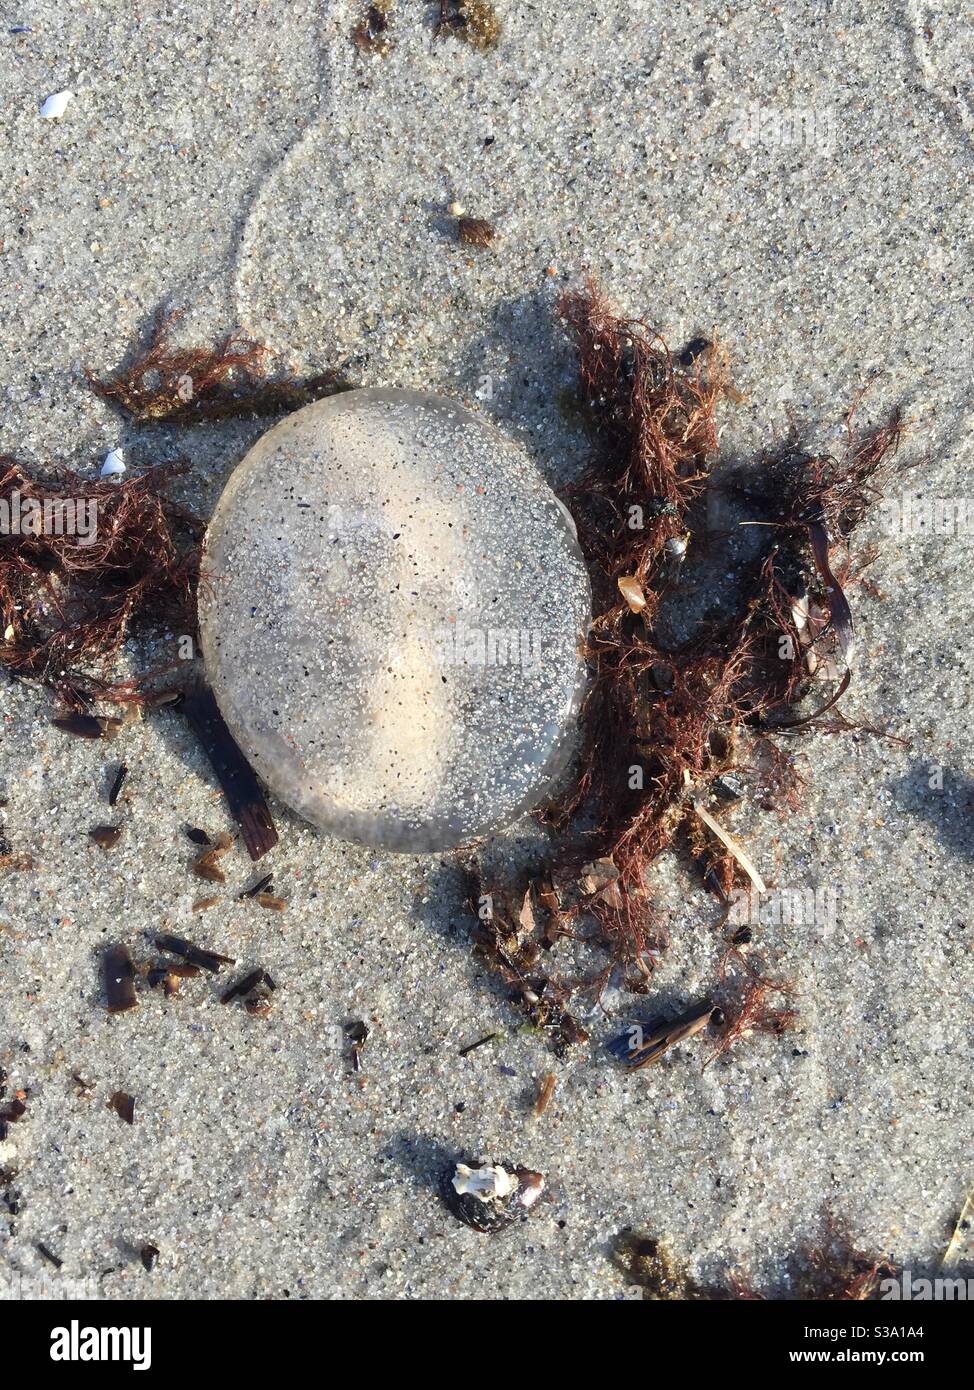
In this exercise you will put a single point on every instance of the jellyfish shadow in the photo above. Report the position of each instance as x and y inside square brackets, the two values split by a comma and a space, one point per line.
[943, 796]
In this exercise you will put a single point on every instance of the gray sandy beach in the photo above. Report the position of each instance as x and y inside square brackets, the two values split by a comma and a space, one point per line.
[795, 177]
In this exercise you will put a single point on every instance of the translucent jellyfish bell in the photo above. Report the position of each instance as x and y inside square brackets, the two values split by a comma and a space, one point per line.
[391, 617]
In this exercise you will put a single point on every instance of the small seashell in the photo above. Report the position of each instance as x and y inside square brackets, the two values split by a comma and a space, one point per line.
[456, 209]
[491, 1197]
[55, 105]
[114, 464]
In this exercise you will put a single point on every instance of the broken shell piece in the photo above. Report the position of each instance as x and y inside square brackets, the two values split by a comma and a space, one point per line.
[114, 463]
[491, 1197]
[475, 231]
[598, 875]
[490, 1183]
[55, 105]
[799, 613]
[632, 591]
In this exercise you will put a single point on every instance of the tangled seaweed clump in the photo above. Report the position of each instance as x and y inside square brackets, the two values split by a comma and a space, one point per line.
[71, 593]
[668, 724]
[84, 564]
[831, 1270]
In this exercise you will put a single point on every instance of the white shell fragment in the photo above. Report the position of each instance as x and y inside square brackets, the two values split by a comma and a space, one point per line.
[393, 620]
[488, 1184]
[55, 105]
[114, 463]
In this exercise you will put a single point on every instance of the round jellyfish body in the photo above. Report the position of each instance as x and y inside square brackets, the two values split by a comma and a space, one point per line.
[392, 615]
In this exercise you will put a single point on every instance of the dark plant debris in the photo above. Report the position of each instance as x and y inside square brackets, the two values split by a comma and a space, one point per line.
[48, 1255]
[475, 231]
[512, 938]
[206, 866]
[118, 781]
[474, 21]
[357, 1033]
[67, 604]
[472, 1047]
[119, 976]
[258, 887]
[371, 33]
[106, 836]
[546, 1089]
[271, 903]
[748, 1008]
[247, 984]
[149, 1255]
[830, 1271]
[15, 1109]
[170, 976]
[124, 1106]
[87, 725]
[235, 775]
[642, 1045]
[198, 837]
[259, 1004]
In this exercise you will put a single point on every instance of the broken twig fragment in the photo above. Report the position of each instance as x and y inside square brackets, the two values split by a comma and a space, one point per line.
[545, 1091]
[734, 846]
[259, 887]
[247, 984]
[87, 725]
[179, 946]
[117, 783]
[357, 1033]
[271, 903]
